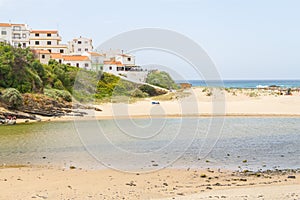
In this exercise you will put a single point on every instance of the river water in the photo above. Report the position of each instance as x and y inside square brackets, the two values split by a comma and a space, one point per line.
[150, 144]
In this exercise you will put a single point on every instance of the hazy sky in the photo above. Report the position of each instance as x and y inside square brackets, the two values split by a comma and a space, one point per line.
[247, 39]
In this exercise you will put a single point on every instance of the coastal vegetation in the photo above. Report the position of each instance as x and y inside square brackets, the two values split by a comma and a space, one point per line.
[22, 77]
[161, 79]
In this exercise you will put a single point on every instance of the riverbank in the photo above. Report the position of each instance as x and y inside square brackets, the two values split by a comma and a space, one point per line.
[51, 183]
[194, 102]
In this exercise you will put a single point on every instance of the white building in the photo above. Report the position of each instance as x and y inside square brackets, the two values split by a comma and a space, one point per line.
[6, 33]
[47, 40]
[125, 59]
[15, 34]
[42, 55]
[80, 45]
[73, 60]
[20, 35]
[131, 72]
[97, 60]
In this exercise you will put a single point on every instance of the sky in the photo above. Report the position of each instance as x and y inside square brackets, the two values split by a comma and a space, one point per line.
[249, 39]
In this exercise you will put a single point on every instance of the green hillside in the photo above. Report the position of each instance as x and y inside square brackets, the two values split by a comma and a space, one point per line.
[21, 71]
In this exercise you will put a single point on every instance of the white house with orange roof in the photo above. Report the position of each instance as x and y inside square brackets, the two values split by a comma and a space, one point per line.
[121, 66]
[47, 40]
[57, 56]
[80, 45]
[5, 33]
[97, 60]
[20, 35]
[73, 60]
[15, 34]
[126, 59]
[42, 55]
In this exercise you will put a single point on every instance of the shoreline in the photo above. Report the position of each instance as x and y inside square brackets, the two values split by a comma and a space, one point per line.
[90, 118]
[197, 102]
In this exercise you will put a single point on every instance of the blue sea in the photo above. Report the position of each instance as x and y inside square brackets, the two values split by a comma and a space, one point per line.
[246, 83]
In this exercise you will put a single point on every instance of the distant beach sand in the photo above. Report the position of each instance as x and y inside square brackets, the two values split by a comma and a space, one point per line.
[197, 103]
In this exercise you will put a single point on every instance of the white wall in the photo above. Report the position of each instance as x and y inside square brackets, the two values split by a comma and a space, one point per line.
[54, 42]
[6, 37]
[20, 35]
[97, 61]
[80, 45]
[81, 64]
[106, 68]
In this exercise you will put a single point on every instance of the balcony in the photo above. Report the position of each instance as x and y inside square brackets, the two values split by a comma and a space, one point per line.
[57, 38]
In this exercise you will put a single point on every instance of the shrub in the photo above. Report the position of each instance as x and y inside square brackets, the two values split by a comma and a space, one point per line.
[56, 94]
[12, 98]
[151, 91]
[139, 94]
[161, 79]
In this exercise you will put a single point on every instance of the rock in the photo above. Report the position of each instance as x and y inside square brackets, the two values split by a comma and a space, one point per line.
[72, 167]
[98, 109]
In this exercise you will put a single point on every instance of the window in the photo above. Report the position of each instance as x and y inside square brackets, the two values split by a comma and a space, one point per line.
[59, 61]
[61, 51]
[86, 49]
[3, 33]
[17, 36]
[79, 49]
[120, 68]
[86, 42]
[43, 56]
[48, 34]
[16, 28]
[37, 42]
[86, 65]
[110, 67]
[37, 35]
[24, 45]
[129, 59]
[50, 50]
[48, 42]
[77, 64]
[79, 42]
[24, 35]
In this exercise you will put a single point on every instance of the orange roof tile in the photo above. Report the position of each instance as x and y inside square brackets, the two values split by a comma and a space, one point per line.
[95, 54]
[118, 63]
[56, 55]
[44, 31]
[125, 55]
[18, 24]
[75, 58]
[5, 25]
[40, 51]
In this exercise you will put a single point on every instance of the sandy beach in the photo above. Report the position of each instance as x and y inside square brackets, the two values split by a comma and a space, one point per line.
[51, 183]
[197, 103]
[237, 102]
